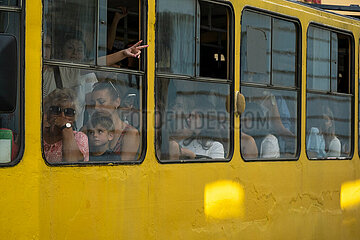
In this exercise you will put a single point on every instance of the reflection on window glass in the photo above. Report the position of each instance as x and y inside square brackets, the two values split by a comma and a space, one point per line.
[175, 36]
[269, 119]
[10, 120]
[283, 53]
[328, 128]
[318, 59]
[99, 121]
[268, 46]
[255, 47]
[70, 30]
[8, 2]
[269, 51]
[192, 38]
[328, 61]
[191, 120]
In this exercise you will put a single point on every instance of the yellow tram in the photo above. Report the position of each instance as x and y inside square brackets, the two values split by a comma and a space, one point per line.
[273, 85]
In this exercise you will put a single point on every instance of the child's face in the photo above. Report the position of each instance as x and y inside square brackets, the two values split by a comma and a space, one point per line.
[99, 136]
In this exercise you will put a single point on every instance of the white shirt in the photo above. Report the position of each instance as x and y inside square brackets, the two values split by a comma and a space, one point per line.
[270, 147]
[316, 143]
[216, 149]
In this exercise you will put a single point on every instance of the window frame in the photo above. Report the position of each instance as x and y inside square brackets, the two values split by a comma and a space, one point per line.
[143, 33]
[20, 10]
[296, 88]
[348, 33]
[230, 81]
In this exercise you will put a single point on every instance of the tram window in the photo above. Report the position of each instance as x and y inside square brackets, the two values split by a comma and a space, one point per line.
[329, 94]
[11, 123]
[193, 39]
[73, 39]
[103, 108]
[191, 120]
[269, 54]
[268, 50]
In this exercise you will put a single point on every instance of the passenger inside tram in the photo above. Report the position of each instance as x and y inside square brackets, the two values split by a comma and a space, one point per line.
[61, 142]
[256, 124]
[81, 81]
[279, 116]
[126, 141]
[322, 141]
[248, 146]
[196, 128]
[100, 132]
[199, 139]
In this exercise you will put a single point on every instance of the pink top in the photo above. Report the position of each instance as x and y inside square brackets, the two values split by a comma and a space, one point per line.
[53, 152]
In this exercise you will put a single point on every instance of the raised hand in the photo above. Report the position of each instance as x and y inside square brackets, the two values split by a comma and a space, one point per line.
[134, 50]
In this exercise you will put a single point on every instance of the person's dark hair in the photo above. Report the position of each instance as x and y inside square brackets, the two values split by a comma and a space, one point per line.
[111, 87]
[103, 119]
[76, 35]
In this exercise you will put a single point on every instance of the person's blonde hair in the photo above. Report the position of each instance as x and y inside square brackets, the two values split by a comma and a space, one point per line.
[58, 96]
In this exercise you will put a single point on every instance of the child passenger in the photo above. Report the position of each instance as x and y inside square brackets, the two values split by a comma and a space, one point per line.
[100, 133]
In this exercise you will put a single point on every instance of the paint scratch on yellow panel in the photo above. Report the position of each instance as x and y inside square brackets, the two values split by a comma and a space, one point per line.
[350, 194]
[223, 200]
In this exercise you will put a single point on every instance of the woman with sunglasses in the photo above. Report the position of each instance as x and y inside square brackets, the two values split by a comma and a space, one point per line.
[61, 143]
[126, 141]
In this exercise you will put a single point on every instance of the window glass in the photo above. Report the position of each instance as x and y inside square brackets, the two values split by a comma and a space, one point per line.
[104, 113]
[192, 38]
[328, 126]
[284, 53]
[92, 115]
[255, 47]
[9, 3]
[318, 59]
[11, 121]
[269, 52]
[175, 39]
[119, 29]
[270, 118]
[191, 120]
[213, 41]
[329, 114]
[70, 29]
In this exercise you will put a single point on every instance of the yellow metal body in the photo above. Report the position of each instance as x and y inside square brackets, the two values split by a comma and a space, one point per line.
[259, 200]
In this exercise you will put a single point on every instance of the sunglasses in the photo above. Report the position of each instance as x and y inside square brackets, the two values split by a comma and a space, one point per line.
[56, 110]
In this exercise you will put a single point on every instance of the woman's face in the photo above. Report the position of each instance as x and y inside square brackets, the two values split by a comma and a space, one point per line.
[195, 122]
[102, 100]
[74, 50]
[327, 124]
